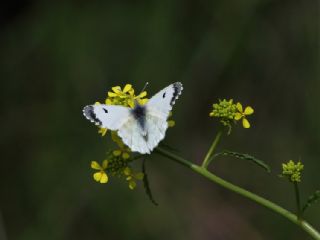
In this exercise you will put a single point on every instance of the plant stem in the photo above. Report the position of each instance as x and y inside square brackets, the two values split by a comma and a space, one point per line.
[296, 190]
[208, 158]
[260, 200]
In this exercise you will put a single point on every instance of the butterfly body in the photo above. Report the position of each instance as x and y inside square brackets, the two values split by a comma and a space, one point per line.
[141, 128]
[139, 113]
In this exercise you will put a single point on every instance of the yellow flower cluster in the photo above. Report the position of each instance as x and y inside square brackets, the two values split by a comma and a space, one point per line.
[228, 112]
[125, 96]
[292, 170]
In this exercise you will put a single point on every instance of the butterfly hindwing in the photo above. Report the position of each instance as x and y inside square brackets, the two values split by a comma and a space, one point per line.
[131, 135]
[107, 116]
[155, 129]
[143, 141]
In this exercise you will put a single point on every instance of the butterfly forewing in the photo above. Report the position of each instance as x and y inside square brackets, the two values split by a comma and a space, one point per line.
[107, 116]
[161, 103]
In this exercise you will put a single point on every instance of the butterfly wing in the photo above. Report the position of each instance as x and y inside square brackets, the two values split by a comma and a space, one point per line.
[161, 104]
[131, 134]
[158, 109]
[107, 116]
[155, 128]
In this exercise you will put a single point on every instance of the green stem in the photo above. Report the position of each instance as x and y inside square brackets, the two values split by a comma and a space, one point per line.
[296, 190]
[208, 158]
[260, 200]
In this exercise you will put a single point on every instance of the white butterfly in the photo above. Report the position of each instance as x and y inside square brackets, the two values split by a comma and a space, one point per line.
[141, 128]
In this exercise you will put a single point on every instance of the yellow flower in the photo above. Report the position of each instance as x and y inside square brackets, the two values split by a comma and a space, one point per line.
[101, 175]
[243, 114]
[132, 177]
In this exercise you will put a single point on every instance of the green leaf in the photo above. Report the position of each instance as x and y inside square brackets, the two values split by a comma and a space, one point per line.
[314, 198]
[244, 156]
[146, 184]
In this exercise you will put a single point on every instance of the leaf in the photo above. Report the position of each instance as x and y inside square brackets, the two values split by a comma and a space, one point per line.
[314, 198]
[245, 156]
[146, 184]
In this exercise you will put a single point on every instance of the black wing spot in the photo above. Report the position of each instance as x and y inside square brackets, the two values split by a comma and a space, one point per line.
[105, 110]
[164, 95]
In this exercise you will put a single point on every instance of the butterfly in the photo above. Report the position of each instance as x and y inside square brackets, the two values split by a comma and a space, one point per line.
[141, 128]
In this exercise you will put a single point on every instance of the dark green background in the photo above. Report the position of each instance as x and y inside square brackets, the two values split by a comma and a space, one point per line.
[58, 57]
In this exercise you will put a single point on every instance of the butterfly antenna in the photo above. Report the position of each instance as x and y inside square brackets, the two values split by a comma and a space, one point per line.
[145, 86]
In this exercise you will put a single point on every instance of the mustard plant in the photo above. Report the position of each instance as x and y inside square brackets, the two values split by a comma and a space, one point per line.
[119, 160]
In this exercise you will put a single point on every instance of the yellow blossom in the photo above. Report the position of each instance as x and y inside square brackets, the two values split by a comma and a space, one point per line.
[101, 175]
[243, 114]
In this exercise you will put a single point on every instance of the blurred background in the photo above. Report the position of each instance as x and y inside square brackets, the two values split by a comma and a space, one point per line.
[58, 57]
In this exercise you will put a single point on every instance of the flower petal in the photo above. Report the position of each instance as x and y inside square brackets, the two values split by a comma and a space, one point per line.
[171, 123]
[108, 101]
[116, 89]
[248, 111]
[105, 164]
[239, 107]
[95, 165]
[104, 178]
[132, 185]
[130, 103]
[125, 155]
[131, 92]
[127, 171]
[127, 87]
[117, 153]
[143, 101]
[245, 123]
[97, 176]
[103, 131]
[112, 94]
[238, 116]
[142, 95]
